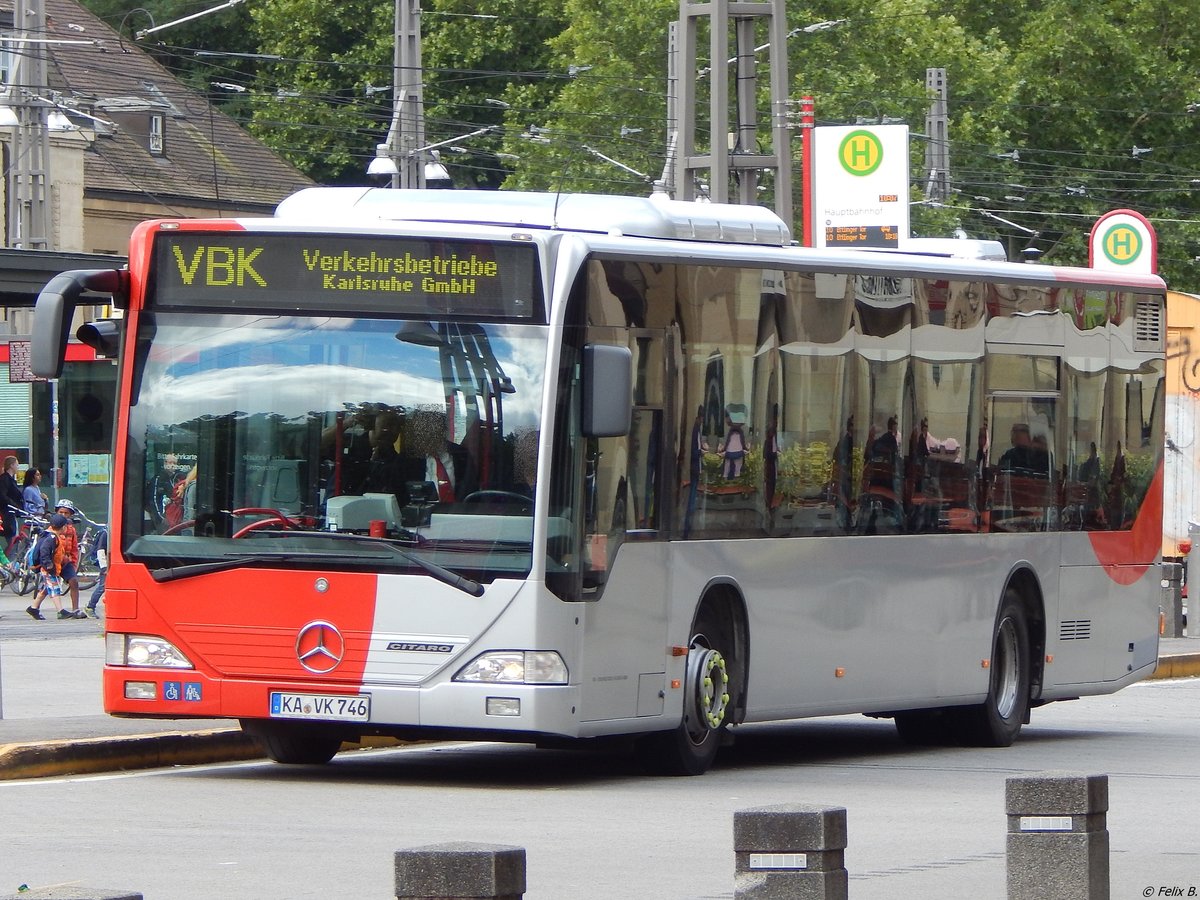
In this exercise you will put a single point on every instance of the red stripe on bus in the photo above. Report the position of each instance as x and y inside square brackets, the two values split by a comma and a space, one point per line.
[1126, 555]
[1120, 281]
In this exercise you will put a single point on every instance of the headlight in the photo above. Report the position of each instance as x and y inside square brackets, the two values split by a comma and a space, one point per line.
[515, 667]
[143, 650]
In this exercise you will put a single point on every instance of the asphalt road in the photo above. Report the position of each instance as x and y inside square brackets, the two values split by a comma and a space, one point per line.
[923, 823]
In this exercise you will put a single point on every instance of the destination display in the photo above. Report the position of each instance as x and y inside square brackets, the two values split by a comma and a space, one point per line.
[862, 236]
[354, 273]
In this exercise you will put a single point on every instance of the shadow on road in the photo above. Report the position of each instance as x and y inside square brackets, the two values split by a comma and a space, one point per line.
[841, 742]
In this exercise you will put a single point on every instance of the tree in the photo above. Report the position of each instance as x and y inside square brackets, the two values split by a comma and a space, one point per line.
[1059, 110]
[331, 103]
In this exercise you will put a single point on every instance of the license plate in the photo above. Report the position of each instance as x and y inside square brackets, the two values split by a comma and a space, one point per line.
[342, 707]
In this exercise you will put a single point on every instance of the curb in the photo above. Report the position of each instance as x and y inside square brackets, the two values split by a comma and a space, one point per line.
[1180, 665]
[89, 756]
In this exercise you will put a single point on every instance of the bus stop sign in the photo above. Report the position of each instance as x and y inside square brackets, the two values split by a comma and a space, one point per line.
[1123, 240]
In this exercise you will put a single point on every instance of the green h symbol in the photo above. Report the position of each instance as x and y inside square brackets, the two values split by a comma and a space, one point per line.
[860, 153]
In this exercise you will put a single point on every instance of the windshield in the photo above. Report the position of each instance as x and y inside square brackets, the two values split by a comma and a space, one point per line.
[275, 437]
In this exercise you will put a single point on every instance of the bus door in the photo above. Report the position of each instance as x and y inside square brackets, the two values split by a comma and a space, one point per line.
[626, 522]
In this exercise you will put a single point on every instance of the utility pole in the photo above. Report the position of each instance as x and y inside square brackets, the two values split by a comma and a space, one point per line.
[410, 93]
[937, 149]
[30, 171]
[666, 183]
[741, 162]
[400, 156]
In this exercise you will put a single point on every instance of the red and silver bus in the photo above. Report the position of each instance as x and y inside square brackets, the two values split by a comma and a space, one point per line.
[541, 468]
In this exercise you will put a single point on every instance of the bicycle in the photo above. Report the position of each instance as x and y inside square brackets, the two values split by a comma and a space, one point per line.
[88, 570]
[25, 571]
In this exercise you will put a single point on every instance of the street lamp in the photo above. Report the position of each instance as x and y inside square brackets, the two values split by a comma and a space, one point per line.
[386, 163]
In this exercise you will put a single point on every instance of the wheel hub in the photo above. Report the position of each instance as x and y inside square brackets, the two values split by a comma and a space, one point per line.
[708, 697]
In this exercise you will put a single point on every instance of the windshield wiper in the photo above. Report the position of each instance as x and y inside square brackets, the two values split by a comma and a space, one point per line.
[170, 573]
[467, 585]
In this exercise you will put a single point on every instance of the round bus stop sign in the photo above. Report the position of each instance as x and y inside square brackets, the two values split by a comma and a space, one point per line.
[1123, 240]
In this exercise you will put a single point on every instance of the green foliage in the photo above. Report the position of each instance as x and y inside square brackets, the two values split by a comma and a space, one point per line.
[1073, 86]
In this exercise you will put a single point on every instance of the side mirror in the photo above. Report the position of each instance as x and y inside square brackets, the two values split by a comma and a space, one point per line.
[55, 307]
[607, 390]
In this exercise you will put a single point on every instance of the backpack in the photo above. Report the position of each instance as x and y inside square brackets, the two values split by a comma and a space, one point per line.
[35, 552]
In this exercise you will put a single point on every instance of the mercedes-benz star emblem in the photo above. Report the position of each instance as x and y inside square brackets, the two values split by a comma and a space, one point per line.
[320, 647]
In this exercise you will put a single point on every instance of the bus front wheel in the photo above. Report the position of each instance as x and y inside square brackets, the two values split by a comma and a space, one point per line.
[298, 745]
[690, 748]
[997, 721]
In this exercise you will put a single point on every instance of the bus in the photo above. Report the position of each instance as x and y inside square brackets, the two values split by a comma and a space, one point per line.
[555, 468]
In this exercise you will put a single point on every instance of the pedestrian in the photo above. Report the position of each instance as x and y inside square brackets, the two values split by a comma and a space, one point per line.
[47, 559]
[69, 538]
[102, 562]
[35, 501]
[11, 501]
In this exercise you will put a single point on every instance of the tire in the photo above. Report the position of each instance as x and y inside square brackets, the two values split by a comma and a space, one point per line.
[295, 745]
[16, 554]
[26, 581]
[690, 748]
[997, 721]
[88, 574]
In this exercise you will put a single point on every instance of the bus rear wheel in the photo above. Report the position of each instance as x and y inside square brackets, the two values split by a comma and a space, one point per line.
[294, 744]
[997, 721]
[690, 748]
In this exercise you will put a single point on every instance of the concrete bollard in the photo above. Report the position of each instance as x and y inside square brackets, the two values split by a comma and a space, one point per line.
[794, 850]
[71, 892]
[1057, 836]
[460, 871]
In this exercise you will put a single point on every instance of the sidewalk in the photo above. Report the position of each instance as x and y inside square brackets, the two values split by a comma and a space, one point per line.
[52, 719]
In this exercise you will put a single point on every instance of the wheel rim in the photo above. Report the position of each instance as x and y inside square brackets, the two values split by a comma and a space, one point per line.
[708, 694]
[1005, 672]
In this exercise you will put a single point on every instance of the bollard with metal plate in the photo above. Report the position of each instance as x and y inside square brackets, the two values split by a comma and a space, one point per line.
[793, 850]
[1057, 836]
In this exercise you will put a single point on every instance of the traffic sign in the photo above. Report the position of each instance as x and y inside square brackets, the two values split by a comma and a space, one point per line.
[1125, 241]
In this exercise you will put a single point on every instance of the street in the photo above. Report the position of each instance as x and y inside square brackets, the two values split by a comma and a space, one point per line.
[922, 823]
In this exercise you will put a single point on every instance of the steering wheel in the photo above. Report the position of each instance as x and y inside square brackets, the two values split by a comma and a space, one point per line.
[272, 517]
[493, 496]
